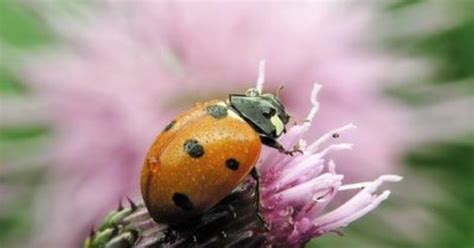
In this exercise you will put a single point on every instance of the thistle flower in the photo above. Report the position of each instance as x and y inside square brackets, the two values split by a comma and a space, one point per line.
[295, 191]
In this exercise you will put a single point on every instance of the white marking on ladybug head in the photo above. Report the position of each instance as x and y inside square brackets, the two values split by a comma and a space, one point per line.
[279, 126]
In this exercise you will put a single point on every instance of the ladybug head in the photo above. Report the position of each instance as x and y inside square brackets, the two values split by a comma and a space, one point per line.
[264, 112]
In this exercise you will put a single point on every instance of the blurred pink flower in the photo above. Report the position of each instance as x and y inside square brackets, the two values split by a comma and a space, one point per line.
[124, 69]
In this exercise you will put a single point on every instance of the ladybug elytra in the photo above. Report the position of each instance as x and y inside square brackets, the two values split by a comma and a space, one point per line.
[206, 152]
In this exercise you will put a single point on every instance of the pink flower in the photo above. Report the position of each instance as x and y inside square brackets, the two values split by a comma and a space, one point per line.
[124, 69]
[295, 191]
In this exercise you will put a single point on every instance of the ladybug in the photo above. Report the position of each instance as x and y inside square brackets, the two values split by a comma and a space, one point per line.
[206, 152]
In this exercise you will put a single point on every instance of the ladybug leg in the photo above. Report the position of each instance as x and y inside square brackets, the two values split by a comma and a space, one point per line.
[195, 241]
[170, 235]
[256, 177]
[274, 144]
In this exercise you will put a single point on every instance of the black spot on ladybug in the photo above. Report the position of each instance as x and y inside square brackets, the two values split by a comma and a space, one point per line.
[232, 164]
[169, 126]
[217, 111]
[182, 201]
[193, 148]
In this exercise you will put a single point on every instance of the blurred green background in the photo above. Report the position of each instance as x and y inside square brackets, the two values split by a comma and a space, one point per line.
[446, 162]
[18, 29]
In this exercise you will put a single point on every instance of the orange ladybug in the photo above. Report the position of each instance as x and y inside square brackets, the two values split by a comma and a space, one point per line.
[206, 152]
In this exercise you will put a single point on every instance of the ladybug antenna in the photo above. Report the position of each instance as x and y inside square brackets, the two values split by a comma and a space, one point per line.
[261, 76]
[278, 91]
